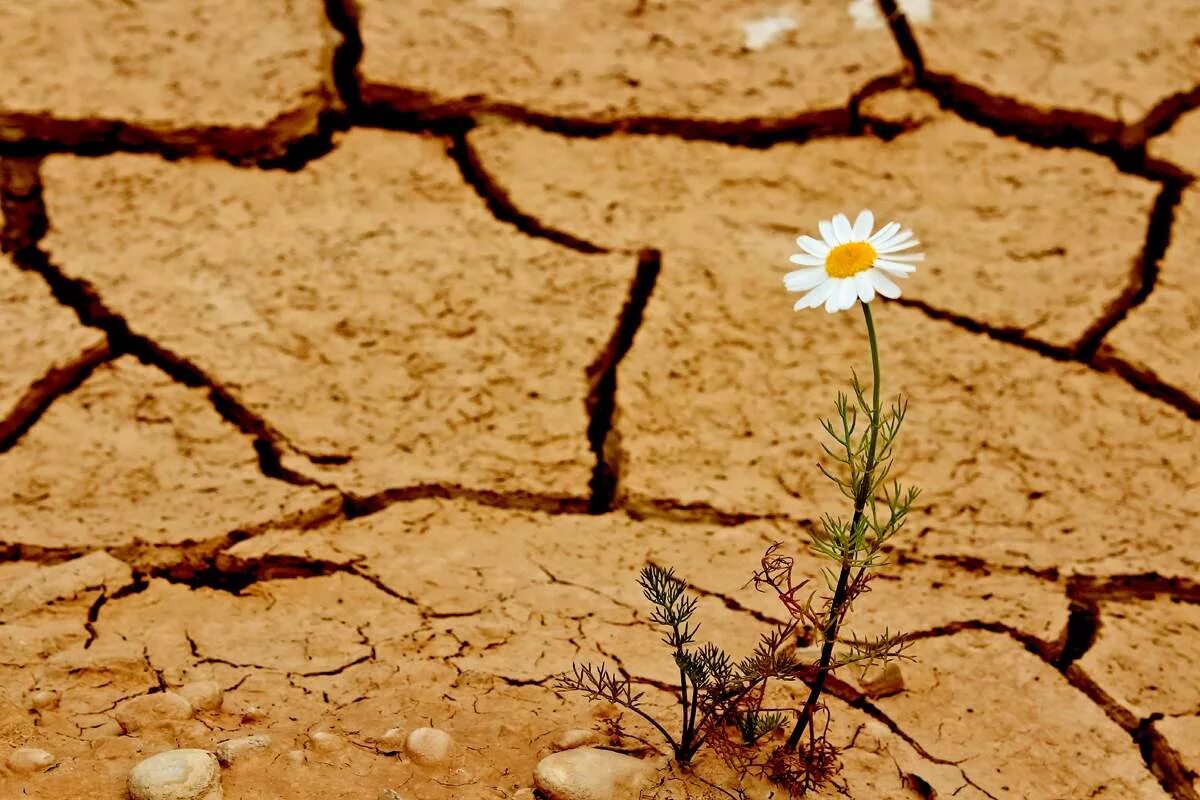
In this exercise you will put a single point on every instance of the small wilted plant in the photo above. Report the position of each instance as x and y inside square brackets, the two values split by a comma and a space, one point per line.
[722, 700]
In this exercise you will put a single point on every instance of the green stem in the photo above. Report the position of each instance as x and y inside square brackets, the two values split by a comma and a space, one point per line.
[839, 595]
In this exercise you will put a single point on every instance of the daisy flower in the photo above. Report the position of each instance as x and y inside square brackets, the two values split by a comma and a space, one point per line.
[851, 263]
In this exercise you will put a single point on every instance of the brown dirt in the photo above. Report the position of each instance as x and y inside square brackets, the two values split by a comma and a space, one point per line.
[327, 327]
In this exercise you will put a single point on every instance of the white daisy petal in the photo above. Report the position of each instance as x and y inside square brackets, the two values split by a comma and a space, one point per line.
[812, 246]
[862, 225]
[806, 260]
[864, 287]
[831, 302]
[842, 229]
[804, 279]
[884, 284]
[893, 266]
[816, 296]
[913, 257]
[846, 295]
[892, 241]
[892, 248]
[885, 232]
[826, 228]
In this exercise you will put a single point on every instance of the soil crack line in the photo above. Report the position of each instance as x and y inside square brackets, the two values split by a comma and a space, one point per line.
[25, 223]
[500, 204]
[601, 401]
[1145, 272]
[58, 381]
[1123, 144]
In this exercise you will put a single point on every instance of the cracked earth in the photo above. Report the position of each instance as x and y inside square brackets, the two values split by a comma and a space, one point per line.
[358, 355]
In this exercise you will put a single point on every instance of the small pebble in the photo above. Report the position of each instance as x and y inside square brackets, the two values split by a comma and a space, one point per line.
[152, 710]
[43, 698]
[177, 775]
[297, 758]
[880, 681]
[231, 750]
[576, 737]
[27, 760]
[392, 741]
[391, 794]
[203, 695]
[587, 773]
[325, 742]
[428, 746]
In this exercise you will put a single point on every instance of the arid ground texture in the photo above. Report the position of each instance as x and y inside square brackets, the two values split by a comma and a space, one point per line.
[358, 354]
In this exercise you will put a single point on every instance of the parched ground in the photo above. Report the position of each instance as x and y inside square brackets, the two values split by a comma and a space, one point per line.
[359, 354]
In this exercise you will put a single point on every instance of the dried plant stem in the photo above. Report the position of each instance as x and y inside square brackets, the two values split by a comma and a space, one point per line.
[836, 607]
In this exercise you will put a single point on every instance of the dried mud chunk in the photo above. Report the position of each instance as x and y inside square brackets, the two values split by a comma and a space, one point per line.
[37, 334]
[616, 58]
[132, 455]
[1093, 57]
[160, 709]
[288, 625]
[1145, 654]
[1044, 738]
[1021, 459]
[996, 251]
[165, 63]
[1183, 736]
[1162, 336]
[67, 581]
[369, 306]
[1181, 144]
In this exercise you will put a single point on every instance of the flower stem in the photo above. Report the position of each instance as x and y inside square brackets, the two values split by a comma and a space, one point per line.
[836, 606]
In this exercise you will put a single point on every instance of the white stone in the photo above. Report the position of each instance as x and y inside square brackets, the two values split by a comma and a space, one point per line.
[43, 698]
[177, 775]
[203, 695]
[152, 711]
[27, 760]
[428, 746]
[591, 774]
[231, 750]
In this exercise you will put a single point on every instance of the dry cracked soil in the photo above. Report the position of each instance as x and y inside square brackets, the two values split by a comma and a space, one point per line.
[359, 353]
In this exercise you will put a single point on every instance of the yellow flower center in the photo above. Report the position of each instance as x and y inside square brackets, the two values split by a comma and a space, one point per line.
[849, 259]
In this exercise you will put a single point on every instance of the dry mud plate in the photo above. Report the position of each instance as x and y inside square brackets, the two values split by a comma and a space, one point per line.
[358, 355]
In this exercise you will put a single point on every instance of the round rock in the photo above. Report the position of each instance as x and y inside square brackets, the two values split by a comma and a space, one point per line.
[27, 760]
[428, 746]
[43, 698]
[177, 775]
[325, 742]
[232, 750]
[591, 774]
[203, 695]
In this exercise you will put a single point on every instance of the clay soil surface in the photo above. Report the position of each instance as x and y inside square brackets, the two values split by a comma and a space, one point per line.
[359, 353]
